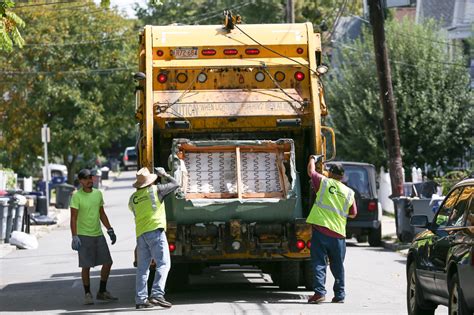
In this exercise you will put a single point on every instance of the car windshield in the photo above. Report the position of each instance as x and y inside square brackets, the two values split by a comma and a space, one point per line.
[132, 153]
[357, 178]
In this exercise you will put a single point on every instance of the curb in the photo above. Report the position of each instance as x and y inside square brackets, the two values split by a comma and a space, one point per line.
[61, 215]
[393, 245]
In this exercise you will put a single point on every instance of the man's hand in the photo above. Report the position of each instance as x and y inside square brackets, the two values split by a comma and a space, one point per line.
[161, 171]
[316, 158]
[76, 242]
[112, 235]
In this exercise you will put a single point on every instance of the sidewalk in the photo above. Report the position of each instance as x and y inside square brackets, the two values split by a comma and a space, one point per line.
[389, 236]
[60, 215]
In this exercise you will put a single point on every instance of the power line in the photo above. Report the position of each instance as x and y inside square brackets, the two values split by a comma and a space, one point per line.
[118, 38]
[44, 3]
[84, 71]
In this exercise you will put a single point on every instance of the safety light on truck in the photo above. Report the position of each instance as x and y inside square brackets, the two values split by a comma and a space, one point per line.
[372, 206]
[182, 77]
[299, 50]
[260, 76]
[300, 244]
[202, 77]
[162, 78]
[230, 51]
[159, 53]
[299, 76]
[279, 76]
[208, 52]
[172, 247]
[252, 51]
[308, 244]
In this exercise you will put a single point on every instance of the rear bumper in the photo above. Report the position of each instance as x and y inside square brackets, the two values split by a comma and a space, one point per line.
[374, 224]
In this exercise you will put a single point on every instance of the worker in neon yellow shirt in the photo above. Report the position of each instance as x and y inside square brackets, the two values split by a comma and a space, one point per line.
[333, 204]
[150, 225]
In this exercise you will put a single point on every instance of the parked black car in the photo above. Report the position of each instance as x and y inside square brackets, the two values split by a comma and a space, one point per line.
[361, 178]
[440, 263]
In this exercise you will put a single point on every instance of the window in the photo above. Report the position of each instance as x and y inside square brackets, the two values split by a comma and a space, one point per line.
[449, 214]
[357, 178]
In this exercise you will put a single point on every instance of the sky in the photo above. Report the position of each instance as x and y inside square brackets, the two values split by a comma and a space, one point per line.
[126, 5]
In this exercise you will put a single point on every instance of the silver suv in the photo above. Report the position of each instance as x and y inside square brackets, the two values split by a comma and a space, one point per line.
[129, 158]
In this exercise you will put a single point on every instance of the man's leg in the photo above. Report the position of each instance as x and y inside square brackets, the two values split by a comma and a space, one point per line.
[103, 258]
[143, 262]
[318, 258]
[337, 253]
[104, 276]
[161, 254]
[86, 282]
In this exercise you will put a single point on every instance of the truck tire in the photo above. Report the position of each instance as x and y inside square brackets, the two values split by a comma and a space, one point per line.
[375, 237]
[178, 277]
[289, 275]
[307, 275]
[361, 238]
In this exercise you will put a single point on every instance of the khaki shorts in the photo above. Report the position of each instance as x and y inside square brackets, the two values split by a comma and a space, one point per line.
[93, 251]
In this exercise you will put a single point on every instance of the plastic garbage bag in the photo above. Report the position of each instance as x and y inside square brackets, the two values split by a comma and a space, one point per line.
[23, 240]
[20, 199]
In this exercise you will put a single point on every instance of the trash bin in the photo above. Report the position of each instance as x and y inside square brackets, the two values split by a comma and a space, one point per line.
[96, 178]
[41, 205]
[105, 172]
[10, 218]
[3, 218]
[403, 213]
[63, 195]
[20, 202]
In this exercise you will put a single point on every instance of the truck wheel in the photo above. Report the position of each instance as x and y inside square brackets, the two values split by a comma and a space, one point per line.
[308, 275]
[457, 304]
[416, 304]
[289, 275]
[375, 237]
[178, 277]
[361, 238]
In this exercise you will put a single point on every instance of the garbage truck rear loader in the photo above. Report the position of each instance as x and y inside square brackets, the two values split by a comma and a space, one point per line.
[234, 114]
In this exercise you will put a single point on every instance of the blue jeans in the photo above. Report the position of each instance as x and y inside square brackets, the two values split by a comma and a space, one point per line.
[322, 248]
[150, 245]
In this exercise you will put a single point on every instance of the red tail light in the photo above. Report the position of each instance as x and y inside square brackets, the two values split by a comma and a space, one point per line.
[125, 157]
[162, 78]
[308, 244]
[159, 53]
[300, 244]
[252, 51]
[172, 247]
[299, 50]
[372, 206]
[299, 76]
[230, 51]
[208, 52]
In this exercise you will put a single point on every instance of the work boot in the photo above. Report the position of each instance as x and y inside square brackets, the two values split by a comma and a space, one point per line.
[160, 301]
[337, 300]
[88, 300]
[146, 304]
[105, 296]
[316, 298]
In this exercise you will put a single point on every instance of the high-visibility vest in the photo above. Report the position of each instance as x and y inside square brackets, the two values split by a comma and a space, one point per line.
[331, 207]
[149, 212]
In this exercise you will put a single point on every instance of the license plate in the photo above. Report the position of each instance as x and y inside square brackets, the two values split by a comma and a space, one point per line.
[185, 53]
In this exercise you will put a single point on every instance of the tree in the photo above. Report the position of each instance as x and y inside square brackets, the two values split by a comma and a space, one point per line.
[434, 103]
[75, 75]
[9, 24]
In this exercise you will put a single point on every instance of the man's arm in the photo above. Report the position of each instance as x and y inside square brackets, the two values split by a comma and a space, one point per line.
[165, 189]
[73, 222]
[104, 219]
[313, 174]
[353, 210]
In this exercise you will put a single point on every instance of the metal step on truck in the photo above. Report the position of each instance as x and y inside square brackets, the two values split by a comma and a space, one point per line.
[234, 112]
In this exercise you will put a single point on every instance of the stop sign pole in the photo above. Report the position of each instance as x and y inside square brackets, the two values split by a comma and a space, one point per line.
[45, 138]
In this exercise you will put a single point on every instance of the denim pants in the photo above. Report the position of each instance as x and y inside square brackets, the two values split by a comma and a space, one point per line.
[324, 247]
[150, 245]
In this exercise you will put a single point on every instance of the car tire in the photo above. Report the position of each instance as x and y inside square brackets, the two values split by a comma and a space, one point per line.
[457, 304]
[375, 237]
[416, 303]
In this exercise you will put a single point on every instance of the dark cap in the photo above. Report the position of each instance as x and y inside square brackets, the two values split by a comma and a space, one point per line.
[84, 173]
[336, 169]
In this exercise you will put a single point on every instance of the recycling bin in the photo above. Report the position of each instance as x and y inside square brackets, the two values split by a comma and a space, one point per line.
[105, 172]
[42, 205]
[403, 214]
[20, 202]
[63, 195]
[3, 218]
[10, 219]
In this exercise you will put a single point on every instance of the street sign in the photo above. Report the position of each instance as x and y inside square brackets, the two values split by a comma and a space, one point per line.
[45, 135]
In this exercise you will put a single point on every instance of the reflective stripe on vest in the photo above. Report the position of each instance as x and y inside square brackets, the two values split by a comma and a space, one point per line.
[331, 207]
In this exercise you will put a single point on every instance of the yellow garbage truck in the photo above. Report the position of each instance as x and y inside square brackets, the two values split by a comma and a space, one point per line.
[234, 113]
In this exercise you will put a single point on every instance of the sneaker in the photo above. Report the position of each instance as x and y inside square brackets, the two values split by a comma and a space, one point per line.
[88, 300]
[105, 296]
[143, 305]
[160, 301]
[316, 298]
[337, 300]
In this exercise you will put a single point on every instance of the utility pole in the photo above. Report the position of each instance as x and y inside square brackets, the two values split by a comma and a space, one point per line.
[386, 97]
[45, 138]
[290, 11]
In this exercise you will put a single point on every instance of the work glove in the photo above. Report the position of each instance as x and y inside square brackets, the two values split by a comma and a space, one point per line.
[112, 235]
[316, 158]
[161, 171]
[76, 242]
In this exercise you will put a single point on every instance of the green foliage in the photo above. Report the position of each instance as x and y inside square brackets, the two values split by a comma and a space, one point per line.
[9, 24]
[433, 100]
[74, 75]
[450, 179]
